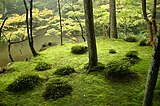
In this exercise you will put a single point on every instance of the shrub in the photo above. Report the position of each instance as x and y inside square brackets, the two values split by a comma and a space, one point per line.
[119, 71]
[99, 68]
[131, 60]
[144, 42]
[64, 71]
[78, 49]
[112, 51]
[41, 66]
[132, 54]
[57, 88]
[22, 83]
[131, 39]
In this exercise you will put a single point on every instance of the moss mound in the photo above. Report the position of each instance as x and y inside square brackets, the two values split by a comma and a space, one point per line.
[99, 68]
[131, 39]
[112, 51]
[64, 71]
[57, 88]
[144, 42]
[79, 49]
[42, 66]
[132, 57]
[119, 71]
[23, 83]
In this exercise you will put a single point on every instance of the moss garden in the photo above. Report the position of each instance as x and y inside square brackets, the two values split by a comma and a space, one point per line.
[57, 77]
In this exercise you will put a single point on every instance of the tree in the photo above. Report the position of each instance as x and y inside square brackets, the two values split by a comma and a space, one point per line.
[60, 21]
[113, 22]
[2, 28]
[29, 28]
[153, 73]
[151, 23]
[91, 41]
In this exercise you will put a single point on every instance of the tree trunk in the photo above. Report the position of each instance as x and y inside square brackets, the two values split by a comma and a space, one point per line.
[113, 22]
[60, 21]
[91, 41]
[154, 17]
[151, 24]
[31, 36]
[153, 74]
[4, 10]
[29, 30]
[2, 28]
[9, 50]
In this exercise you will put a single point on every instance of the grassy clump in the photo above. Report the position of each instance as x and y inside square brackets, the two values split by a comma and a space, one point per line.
[132, 57]
[57, 88]
[99, 68]
[64, 71]
[78, 49]
[42, 66]
[131, 39]
[132, 54]
[112, 51]
[144, 42]
[23, 83]
[119, 71]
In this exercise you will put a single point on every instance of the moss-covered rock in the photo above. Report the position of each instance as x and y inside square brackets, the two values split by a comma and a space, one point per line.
[79, 49]
[56, 88]
[119, 71]
[42, 66]
[112, 51]
[23, 83]
[64, 71]
[131, 39]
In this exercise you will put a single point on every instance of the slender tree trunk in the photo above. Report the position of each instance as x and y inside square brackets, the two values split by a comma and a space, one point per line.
[154, 17]
[91, 41]
[4, 10]
[77, 21]
[151, 24]
[29, 30]
[9, 51]
[2, 27]
[60, 21]
[153, 74]
[113, 22]
[31, 33]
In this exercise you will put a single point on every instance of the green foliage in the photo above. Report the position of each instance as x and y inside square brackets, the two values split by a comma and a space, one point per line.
[131, 39]
[133, 61]
[78, 49]
[112, 51]
[42, 66]
[144, 42]
[132, 57]
[119, 71]
[64, 71]
[57, 88]
[132, 54]
[23, 83]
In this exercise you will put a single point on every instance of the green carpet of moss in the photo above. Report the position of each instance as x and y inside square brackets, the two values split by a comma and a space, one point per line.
[88, 89]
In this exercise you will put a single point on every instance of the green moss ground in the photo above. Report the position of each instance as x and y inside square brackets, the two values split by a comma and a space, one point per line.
[88, 89]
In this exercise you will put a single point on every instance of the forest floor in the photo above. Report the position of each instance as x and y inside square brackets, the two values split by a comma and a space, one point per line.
[88, 89]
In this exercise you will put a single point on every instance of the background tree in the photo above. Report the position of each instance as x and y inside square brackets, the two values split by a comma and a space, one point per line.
[60, 21]
[151, 23]
[29, 28]
[113, 22]
[91, 41]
